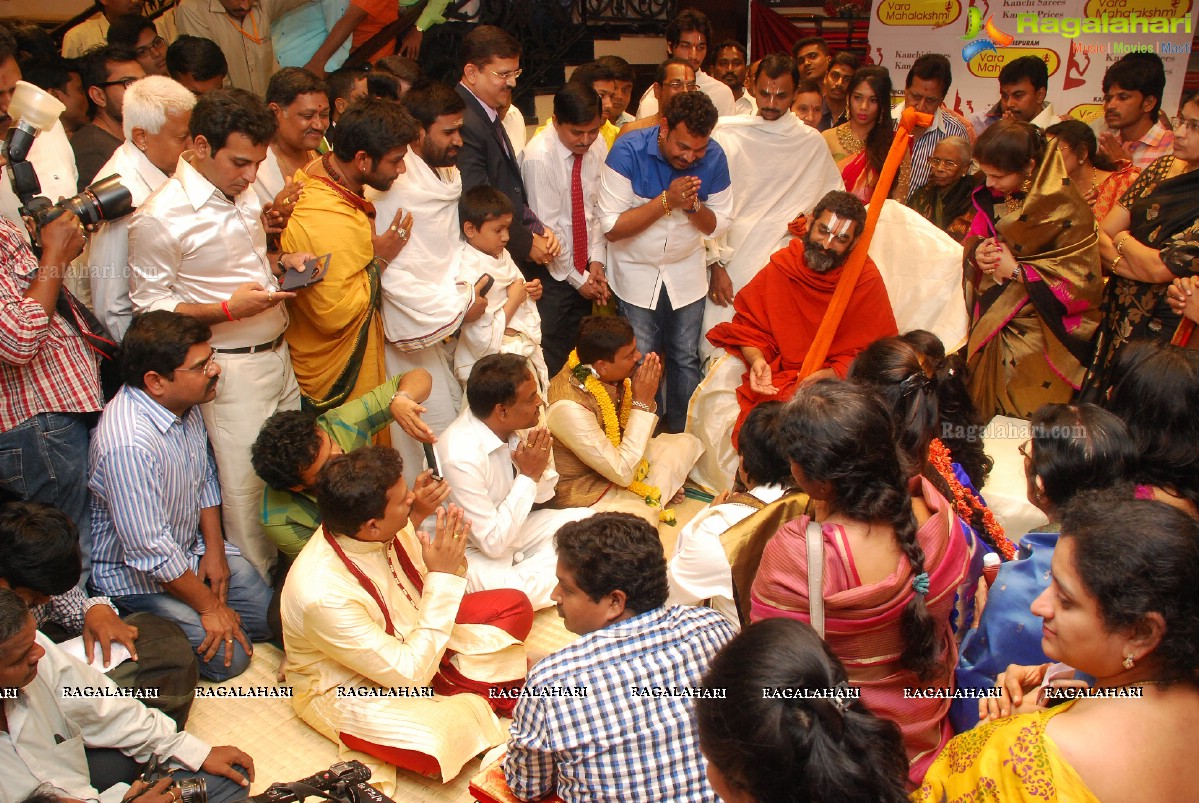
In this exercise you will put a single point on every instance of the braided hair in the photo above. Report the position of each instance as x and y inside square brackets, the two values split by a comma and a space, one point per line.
[840, 433]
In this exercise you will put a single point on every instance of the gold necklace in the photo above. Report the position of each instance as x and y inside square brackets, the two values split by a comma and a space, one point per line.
[848, 141]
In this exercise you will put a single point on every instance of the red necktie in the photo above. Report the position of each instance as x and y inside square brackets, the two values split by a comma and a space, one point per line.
[578, 219]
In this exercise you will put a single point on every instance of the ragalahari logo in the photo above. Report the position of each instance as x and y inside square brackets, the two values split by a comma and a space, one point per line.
[992, 37]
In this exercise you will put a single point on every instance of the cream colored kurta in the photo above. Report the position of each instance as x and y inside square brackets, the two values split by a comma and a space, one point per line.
[336, 638]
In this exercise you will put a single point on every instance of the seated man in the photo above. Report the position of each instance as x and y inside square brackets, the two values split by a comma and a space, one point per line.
[107, 738]
[602, 416]
[40, 561]
[370, 604]
[699, 570]
[945, 201]
[776, 316]
[638, 661]
[156, 502]
[294, 445]
[498, 467]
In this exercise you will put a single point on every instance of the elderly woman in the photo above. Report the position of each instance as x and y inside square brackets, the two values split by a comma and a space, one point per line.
[1032, 275]
[763, 749]
[1123, 607]
[1147, 240]
[945, 200]
[891, 561]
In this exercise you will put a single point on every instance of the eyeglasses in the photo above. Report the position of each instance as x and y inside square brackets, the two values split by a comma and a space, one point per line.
[208, 368]
[157, 44]
[125, 82]
[1192, 126]
[949, 164]
[677, 85]
[507, 75]
[1023, 449]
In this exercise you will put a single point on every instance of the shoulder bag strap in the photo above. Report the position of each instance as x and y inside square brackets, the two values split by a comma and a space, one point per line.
[815, 539]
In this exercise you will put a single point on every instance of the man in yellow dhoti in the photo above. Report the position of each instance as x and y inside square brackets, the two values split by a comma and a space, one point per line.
[336, 334]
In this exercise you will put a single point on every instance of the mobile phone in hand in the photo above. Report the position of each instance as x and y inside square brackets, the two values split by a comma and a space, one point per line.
[488, 282]
[431, 460]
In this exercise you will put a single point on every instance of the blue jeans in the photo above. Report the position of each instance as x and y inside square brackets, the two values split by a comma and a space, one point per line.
[674, 335]
[108, 766]
[249, 595]
[44, 459]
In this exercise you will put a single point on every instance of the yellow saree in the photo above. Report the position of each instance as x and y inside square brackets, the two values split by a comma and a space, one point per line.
[1030, 340]
[1006, 761]
[335, 333]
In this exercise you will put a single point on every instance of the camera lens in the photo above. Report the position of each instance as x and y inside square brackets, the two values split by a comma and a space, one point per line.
[106, 199]
[193, 790]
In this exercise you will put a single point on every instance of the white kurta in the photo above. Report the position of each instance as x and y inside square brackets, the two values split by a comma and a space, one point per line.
[511, 545]
[717, 90]
[779, 169]
[336, 638]
[422, 303]
[700, 568]
[486, 334]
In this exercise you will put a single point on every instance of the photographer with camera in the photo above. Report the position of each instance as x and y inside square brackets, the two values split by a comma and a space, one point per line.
[49, 378]
[66, 727]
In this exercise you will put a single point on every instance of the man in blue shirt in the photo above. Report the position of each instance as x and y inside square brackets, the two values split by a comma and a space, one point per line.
[156, 515]
[609, 716]
[663, 190]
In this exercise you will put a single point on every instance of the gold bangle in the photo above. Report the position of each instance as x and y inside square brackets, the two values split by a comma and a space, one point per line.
[1114, 264]
[665, 205]
[1120, 245]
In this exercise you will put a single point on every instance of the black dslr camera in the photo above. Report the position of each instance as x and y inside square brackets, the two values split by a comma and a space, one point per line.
[345, 781]
[191, 790]
[33, 110]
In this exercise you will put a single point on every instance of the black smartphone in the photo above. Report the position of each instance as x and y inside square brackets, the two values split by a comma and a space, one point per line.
[488, 281]
[314, 271]
[431, 460]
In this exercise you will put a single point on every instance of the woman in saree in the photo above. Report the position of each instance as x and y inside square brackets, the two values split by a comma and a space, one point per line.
[859, 146]
[1032, 275]
[1073, 448]
[1099, 180]
[893, 558]
[1147, 240]
[1123, 607]
[907, 384]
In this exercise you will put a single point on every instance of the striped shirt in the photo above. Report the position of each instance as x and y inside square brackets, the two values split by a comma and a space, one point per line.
[151, 475]
[45, 364]
[944, 125]
[632, 737]
[69, 610]
[1157, 142]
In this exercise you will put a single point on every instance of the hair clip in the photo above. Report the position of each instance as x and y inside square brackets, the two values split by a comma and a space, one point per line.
[843, 698]
[920, 583]
[914, 382]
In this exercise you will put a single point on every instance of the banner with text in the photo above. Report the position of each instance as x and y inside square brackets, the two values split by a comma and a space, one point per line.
[1078, 39]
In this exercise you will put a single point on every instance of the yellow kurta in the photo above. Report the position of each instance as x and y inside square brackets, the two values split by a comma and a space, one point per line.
[327, 318]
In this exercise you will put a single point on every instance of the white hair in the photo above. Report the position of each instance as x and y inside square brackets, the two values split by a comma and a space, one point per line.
[149, 100]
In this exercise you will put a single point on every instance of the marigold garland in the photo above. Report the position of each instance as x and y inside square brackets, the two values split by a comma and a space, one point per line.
[965, 501]
[614, 426]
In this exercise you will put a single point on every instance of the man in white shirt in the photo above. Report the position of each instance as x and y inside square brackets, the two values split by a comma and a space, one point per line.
[687, 37]
[699, 570]
[498, 467]
[60, 714]
[779, 169]
[197, 246]
[561, 167]
[663, 190]
[1023, 83]
[423, 305]
[156, 117]
[730, 67]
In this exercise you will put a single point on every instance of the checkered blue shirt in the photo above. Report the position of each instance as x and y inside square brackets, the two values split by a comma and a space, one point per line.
[614, 745]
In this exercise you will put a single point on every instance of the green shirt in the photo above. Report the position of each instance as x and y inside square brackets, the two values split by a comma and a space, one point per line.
[289, 518]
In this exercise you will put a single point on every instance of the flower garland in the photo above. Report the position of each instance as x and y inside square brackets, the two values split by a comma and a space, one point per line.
[965, 501]
[614, 426]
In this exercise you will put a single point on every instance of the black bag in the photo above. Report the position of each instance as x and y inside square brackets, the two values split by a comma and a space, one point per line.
[98, 339]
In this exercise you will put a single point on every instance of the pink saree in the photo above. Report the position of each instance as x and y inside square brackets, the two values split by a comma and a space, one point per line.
[862, 622]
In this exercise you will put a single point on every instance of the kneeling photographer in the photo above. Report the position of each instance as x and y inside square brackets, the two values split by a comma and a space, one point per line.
[66, 727]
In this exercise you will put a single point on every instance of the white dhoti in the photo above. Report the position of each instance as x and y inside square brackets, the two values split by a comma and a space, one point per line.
[442, 406]
[531, 564]
[670, 457]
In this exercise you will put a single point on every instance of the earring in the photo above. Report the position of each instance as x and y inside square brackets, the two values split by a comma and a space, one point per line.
[1128, 662]
[1024, 188]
